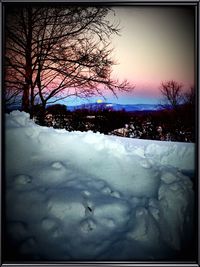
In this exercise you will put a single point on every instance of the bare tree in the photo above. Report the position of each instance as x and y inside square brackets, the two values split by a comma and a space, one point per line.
[189, 97]
[58, 52]
[172, 93]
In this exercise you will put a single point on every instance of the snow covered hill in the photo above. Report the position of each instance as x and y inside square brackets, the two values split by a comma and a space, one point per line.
[87, 196]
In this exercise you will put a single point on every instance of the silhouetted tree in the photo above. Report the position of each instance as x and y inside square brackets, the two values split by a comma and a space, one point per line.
[172, 93]
[189, 112]
[189, 96]
[12, 96]
[59, 51]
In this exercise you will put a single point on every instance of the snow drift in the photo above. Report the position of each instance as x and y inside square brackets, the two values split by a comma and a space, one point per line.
[87, 196]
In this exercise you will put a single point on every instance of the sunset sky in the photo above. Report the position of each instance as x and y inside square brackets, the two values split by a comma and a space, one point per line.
[155, 44]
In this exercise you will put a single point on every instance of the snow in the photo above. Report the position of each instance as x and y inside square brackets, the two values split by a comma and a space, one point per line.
[87, 196]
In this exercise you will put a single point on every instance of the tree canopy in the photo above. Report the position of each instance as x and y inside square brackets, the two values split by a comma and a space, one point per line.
[53, 52]
[172, 93]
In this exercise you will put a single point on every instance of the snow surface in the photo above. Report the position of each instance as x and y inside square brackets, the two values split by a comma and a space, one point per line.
[87, 196]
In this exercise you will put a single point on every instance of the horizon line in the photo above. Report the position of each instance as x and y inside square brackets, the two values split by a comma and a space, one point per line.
[128, 104]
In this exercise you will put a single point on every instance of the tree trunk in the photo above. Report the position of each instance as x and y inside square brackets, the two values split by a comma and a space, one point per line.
[25, 98]
[42, 113]
[28, 67]
[32, 102]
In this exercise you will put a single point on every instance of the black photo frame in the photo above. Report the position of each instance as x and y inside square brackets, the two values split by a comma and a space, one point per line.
[194, 259]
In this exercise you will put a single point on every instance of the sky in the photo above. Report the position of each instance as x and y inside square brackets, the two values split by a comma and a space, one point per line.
[155, 44]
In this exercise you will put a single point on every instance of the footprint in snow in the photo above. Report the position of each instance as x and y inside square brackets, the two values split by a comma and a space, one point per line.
[88, 225]
[97, 184]
[106, 190]
[56, 233]
[23, 179]
[57, 165]
[48, 224]
[145, 164]
[168, 177]
[87, 203]
[28, 245]
[17, 230]
[115, 194]
[86, 193]
[108, 222]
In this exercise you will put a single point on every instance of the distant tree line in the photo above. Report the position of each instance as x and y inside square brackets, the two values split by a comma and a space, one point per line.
[183, 104]
[174, 95]
[153, 125]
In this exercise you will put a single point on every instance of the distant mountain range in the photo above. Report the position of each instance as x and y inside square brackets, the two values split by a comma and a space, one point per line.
[111, 106]
[117, 107]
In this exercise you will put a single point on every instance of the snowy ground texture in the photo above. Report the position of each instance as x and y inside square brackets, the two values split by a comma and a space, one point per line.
[87, 196]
